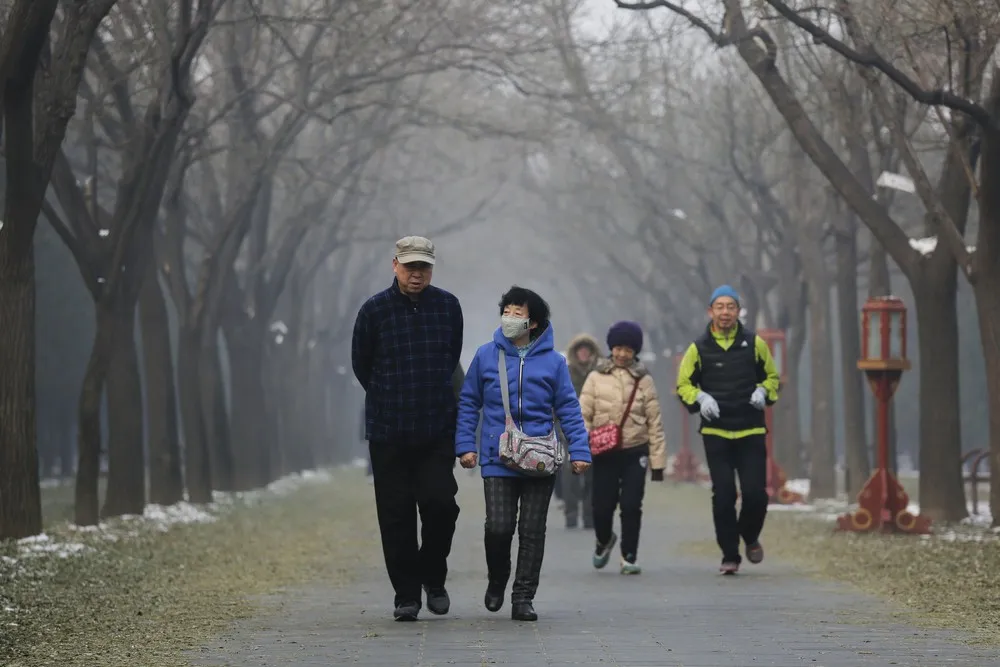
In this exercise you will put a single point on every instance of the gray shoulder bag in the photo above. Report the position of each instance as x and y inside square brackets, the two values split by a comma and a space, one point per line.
[529, 455]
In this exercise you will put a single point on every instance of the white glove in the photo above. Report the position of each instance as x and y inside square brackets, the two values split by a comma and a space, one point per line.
[709, 407]
[758, 398]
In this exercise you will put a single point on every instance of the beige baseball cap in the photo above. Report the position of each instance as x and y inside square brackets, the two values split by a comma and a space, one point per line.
[414, 249]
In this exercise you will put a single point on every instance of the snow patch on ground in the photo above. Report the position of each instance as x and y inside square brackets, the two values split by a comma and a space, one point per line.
[798, 486]
[69, 540]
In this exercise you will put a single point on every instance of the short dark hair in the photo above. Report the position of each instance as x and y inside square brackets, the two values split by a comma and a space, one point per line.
[538, 309]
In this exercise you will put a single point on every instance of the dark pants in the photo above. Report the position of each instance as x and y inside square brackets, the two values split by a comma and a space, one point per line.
[504, 495]
[408, 477]
[577, 495]
[620, 481]
[746, 457]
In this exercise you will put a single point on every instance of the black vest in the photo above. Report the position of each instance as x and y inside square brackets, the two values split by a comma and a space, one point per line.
[730, 377]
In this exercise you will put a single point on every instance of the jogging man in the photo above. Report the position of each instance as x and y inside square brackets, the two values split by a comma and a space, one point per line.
[728, 375]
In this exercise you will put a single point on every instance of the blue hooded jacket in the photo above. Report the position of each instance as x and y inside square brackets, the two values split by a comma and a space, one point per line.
[539, 385]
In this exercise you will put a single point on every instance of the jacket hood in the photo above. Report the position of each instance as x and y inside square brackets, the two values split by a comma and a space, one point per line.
[636, 370]
[579, 341]
[544, 343]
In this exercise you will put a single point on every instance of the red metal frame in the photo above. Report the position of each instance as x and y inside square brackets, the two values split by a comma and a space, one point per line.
[882, 501]
[777, 491]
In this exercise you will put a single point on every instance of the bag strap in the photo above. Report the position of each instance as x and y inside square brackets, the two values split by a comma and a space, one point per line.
[628, 408]
[504, 390]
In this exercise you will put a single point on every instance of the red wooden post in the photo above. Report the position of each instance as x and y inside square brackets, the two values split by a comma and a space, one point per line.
[882, 501]
[686, 465]
[777, 491]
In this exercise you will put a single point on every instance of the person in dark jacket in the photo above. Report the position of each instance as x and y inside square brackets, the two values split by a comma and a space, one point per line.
[729, 376]
[582, 356]
[405, 350]
[539, 387]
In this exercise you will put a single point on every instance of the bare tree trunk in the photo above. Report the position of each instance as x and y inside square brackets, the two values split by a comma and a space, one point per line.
[87, 501]
[822, 462]
[299, 406]
[166, 485]
[791, 318]
[222, 442]
[252, 464]
[858, 466]
[808, 231]
[20, 497]
[126, 492]
[197, 461]
[942, 493]
[214, 415]
[987, 286]
[988, 307]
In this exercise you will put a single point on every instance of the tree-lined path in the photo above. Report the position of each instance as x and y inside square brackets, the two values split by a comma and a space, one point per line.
[678, 613]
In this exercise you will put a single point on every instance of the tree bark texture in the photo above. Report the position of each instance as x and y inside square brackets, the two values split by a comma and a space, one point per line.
[855, 441]
[213, 413]
[987, 286]
[126, 493]
[20, 498]
[197, 461]
[166, 484]
[942, 492]
[87, 501]
[251, 449]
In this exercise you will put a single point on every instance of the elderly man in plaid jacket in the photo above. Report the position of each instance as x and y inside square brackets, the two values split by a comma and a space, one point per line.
[405, 351]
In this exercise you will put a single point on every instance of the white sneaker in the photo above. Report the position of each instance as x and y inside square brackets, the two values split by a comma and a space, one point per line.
[630, 568]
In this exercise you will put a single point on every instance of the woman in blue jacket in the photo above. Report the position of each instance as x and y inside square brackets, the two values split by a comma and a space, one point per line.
[539, 386]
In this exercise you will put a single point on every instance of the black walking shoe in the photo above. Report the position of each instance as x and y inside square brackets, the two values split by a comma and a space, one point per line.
[406, 611]
[523, 611]
[755, 553]
[438, 601]
[494, 597]
[729, 567]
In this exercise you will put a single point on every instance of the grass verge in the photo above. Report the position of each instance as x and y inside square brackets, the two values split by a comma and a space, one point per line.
[144, 599]
[951, 583]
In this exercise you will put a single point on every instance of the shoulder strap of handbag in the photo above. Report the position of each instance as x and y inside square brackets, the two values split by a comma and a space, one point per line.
[631, 399]
[504, 390]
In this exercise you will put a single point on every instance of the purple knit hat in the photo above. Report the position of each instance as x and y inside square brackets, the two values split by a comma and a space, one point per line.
[628, 334]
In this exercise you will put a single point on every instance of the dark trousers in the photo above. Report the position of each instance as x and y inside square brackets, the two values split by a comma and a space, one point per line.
[407, 478]
[504, 497]
[577, 495]
[747, 458]
[620, 481]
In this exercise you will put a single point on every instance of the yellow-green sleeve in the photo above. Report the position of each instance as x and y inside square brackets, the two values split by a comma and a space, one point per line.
[686, 391]
[771, 381]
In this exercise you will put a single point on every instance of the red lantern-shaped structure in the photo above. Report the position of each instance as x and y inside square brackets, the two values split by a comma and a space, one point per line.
[882, 501]
[776, 478]
[686, 465]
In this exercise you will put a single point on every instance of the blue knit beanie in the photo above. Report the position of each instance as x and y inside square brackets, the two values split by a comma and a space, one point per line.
[724, 290]
[628, 334]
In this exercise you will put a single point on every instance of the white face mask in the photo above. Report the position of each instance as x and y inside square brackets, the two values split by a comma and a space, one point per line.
[514, 327]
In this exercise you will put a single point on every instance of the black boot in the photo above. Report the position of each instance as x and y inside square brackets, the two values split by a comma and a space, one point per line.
[494, 596]
[523, 611]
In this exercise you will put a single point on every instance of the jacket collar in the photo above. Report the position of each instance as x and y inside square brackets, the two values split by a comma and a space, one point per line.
[636, 370]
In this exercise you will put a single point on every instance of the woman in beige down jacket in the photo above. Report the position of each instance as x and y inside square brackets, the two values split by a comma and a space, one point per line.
[620, 475]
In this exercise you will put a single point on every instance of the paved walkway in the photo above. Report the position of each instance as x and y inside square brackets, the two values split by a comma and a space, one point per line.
[679, 612]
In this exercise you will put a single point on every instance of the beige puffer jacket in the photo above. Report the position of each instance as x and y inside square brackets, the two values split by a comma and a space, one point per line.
[603, 400]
